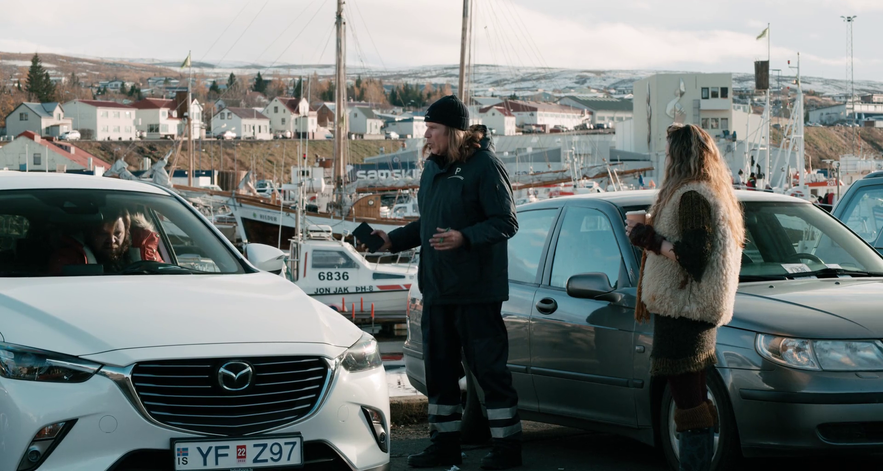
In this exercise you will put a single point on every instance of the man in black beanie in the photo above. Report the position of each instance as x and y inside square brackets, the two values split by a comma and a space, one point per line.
[466, 217]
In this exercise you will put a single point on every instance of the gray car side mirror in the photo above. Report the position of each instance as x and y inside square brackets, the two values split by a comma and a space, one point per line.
[591, 286]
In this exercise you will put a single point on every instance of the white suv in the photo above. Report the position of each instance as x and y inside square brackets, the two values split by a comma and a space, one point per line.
[134, 336]
[70, 136]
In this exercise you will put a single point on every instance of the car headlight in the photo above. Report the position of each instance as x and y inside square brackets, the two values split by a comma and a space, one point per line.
[364, 355]
[17, 362]
[827, 355]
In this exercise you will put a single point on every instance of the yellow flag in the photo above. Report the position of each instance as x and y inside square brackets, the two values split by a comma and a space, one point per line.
[759, 36]
[186, 61]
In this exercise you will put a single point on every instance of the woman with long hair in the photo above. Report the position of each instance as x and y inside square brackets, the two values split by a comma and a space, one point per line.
[689, 275]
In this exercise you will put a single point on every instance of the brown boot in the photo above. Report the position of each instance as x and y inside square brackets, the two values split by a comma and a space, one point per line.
[713, 411]
[695, 418]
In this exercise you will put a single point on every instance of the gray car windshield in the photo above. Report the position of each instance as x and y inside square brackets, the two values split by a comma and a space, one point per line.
[790, 239]
[62, 232]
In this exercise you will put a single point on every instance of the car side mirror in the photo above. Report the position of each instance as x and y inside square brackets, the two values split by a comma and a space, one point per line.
[591, 286]
[265, 257]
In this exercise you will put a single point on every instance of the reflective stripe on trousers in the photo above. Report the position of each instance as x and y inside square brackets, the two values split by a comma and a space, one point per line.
[504, 422]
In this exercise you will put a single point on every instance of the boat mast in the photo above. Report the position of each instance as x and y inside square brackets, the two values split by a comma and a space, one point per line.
[189, 123]
[340, 115]
[464, 41]
[798, 108]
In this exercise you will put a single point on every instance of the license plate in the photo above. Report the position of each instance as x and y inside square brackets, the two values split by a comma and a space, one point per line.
[256, 453]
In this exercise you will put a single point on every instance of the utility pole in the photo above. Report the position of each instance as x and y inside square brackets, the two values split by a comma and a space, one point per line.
[464, 40]
[850, 78]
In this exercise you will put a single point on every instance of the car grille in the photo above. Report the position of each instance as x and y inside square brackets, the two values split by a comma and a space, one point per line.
[188, 394]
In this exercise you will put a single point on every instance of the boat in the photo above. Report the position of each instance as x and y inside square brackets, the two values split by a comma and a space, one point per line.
[337, 275]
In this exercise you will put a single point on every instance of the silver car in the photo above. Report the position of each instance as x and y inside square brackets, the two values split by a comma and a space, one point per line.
[799, 369]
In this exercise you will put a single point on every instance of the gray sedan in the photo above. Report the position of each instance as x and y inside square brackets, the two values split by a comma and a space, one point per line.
[798, 368]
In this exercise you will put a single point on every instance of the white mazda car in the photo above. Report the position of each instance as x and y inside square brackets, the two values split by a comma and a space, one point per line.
[134, 336]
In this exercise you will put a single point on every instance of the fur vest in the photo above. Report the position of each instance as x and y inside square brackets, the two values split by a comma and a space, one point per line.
[709, 300]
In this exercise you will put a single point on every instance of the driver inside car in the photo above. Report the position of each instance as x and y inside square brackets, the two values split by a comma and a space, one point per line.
[119, 240]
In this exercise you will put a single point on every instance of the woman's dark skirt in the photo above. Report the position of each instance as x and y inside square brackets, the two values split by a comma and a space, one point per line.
[681, 346]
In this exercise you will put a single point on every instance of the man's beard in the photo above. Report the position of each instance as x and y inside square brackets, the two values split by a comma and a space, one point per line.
[114, 259]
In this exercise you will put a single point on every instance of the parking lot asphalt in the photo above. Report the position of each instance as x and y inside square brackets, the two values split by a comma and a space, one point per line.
[553, 448]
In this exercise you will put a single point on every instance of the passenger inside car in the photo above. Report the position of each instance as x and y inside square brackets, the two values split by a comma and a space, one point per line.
[118, 240]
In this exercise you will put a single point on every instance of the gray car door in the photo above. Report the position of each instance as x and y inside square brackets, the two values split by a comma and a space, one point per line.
[581, 349]
[527, 251]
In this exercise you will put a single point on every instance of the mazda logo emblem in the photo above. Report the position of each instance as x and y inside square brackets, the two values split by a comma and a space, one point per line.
[235, 375]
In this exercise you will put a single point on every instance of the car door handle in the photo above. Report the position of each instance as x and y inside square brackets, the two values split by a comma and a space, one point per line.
[547, 306]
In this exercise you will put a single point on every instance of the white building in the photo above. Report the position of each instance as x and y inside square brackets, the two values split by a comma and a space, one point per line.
[499, 119]
[602, 110]
[247, 123]
[30, 152]
[292, 115]
[407, 127]
[545, 115]
[662, 99]
[104, 120]
[198, 125]
[43, 119]
[156, 117]
[363, 122]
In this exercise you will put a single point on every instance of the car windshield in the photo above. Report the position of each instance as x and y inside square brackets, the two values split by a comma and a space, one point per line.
[785, 239]
[63, 232]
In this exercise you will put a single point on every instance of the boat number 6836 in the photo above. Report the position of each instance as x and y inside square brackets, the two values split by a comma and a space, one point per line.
[333, 275]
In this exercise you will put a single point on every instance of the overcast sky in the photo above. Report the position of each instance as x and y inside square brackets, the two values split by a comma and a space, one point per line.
[694, 35]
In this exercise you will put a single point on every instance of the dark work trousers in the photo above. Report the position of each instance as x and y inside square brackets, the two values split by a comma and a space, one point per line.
[479, 330]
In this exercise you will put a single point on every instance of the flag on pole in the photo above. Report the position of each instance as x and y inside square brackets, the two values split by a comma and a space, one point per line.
[186, 61]
[759, 36]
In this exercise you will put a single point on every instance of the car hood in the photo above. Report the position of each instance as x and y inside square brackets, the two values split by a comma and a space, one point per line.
[88, 315]
[842, 308]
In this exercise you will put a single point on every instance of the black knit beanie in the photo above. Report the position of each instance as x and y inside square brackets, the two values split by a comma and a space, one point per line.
[450, 111]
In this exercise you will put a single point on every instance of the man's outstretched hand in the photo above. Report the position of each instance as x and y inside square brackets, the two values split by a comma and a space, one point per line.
[386, 243]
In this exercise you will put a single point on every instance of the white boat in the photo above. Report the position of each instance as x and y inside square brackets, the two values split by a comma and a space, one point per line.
[337, 275]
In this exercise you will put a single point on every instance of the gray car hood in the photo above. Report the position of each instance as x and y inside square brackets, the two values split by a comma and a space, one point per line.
[845, 308]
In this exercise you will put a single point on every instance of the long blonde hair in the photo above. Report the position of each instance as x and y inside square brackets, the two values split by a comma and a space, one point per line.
[461, 144]
[694, 157]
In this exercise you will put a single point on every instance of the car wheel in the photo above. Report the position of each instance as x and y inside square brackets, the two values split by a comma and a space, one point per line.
[727, 451]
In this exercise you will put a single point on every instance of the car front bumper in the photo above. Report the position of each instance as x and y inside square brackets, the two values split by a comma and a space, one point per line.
[109, 426]
[783, 411]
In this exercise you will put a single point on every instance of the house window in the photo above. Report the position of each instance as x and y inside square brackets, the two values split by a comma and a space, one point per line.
[165, 128]
[153, 128]
[38, 160]
[128, 114]
[104, 114]
[275, 109]
[715, 92]
[725, 92]
[715, 123]
[128, 128]
[163, 114]
[116, 129]
[283, 120]
[704, 94]
[103, 128]
[725, 123]
[704, 123]
[22, 116]
[116, 114]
